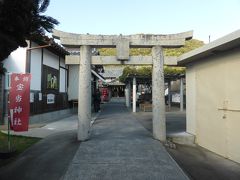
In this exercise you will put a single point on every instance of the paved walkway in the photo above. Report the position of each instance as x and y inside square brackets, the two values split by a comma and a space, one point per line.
[46, 160]
[65, 124]
[121, 148]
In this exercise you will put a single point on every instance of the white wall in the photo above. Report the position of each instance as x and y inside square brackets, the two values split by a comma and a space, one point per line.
[73, 82]
[50, 59]
[66, 84]
[191, 100]
[213, 94]
[62, 62]
[16, 61]
[36, 69]
[62, 87]
[210, 95]
[233, 103]
[63, 76]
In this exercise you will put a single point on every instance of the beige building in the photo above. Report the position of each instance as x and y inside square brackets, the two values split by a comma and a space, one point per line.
[213, 95]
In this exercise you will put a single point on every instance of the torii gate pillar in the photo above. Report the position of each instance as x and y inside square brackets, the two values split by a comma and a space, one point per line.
[84, 94]
[122, 43]
[158, 101]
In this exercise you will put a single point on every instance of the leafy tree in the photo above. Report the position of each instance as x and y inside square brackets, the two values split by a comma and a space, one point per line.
[2, 70]
[41, 23]
[146, 71]
[14, 22]
[21, 20]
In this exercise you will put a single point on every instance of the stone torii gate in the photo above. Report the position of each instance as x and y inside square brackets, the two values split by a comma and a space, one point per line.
[122, 44]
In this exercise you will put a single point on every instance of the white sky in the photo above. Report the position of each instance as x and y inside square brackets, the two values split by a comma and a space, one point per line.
[205, 17]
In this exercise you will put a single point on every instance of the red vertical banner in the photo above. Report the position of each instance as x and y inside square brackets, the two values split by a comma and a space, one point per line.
[19, 102]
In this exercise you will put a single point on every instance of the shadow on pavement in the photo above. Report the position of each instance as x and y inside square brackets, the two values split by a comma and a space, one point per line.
[197, 162]
[47, 159]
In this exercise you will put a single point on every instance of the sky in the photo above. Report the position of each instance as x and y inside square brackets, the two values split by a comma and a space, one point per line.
[214, 18]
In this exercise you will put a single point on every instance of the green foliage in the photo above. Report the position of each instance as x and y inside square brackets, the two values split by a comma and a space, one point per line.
[189, 45]
[146, 71]
[40, 22]
[140, 52]
[2, 69]
[127, 71]
[14, 23]
[174, 70]
[107, 51]
[20, 143]
[21, 20]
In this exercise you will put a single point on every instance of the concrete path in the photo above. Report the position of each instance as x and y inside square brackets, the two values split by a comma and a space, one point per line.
[46, 160]
[121, 148]
[69, 123]
[175, 121]
[65, 124]
[175, 126]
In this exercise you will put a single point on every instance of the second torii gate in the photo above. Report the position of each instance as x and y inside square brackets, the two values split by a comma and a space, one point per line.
[122, 44]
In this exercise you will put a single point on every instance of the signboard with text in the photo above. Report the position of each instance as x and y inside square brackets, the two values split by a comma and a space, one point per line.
[19, 101]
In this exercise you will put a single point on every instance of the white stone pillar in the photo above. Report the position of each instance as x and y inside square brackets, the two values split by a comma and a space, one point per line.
[130, 94]
[181, 94]
[127, 95]
[84, 94]
[169, 95]
[158, 100]
[134, 94]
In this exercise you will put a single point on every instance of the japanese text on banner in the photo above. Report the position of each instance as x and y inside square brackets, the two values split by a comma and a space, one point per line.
[19, 105]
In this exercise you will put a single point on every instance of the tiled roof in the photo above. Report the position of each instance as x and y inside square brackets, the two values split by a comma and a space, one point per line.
[55, 47]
